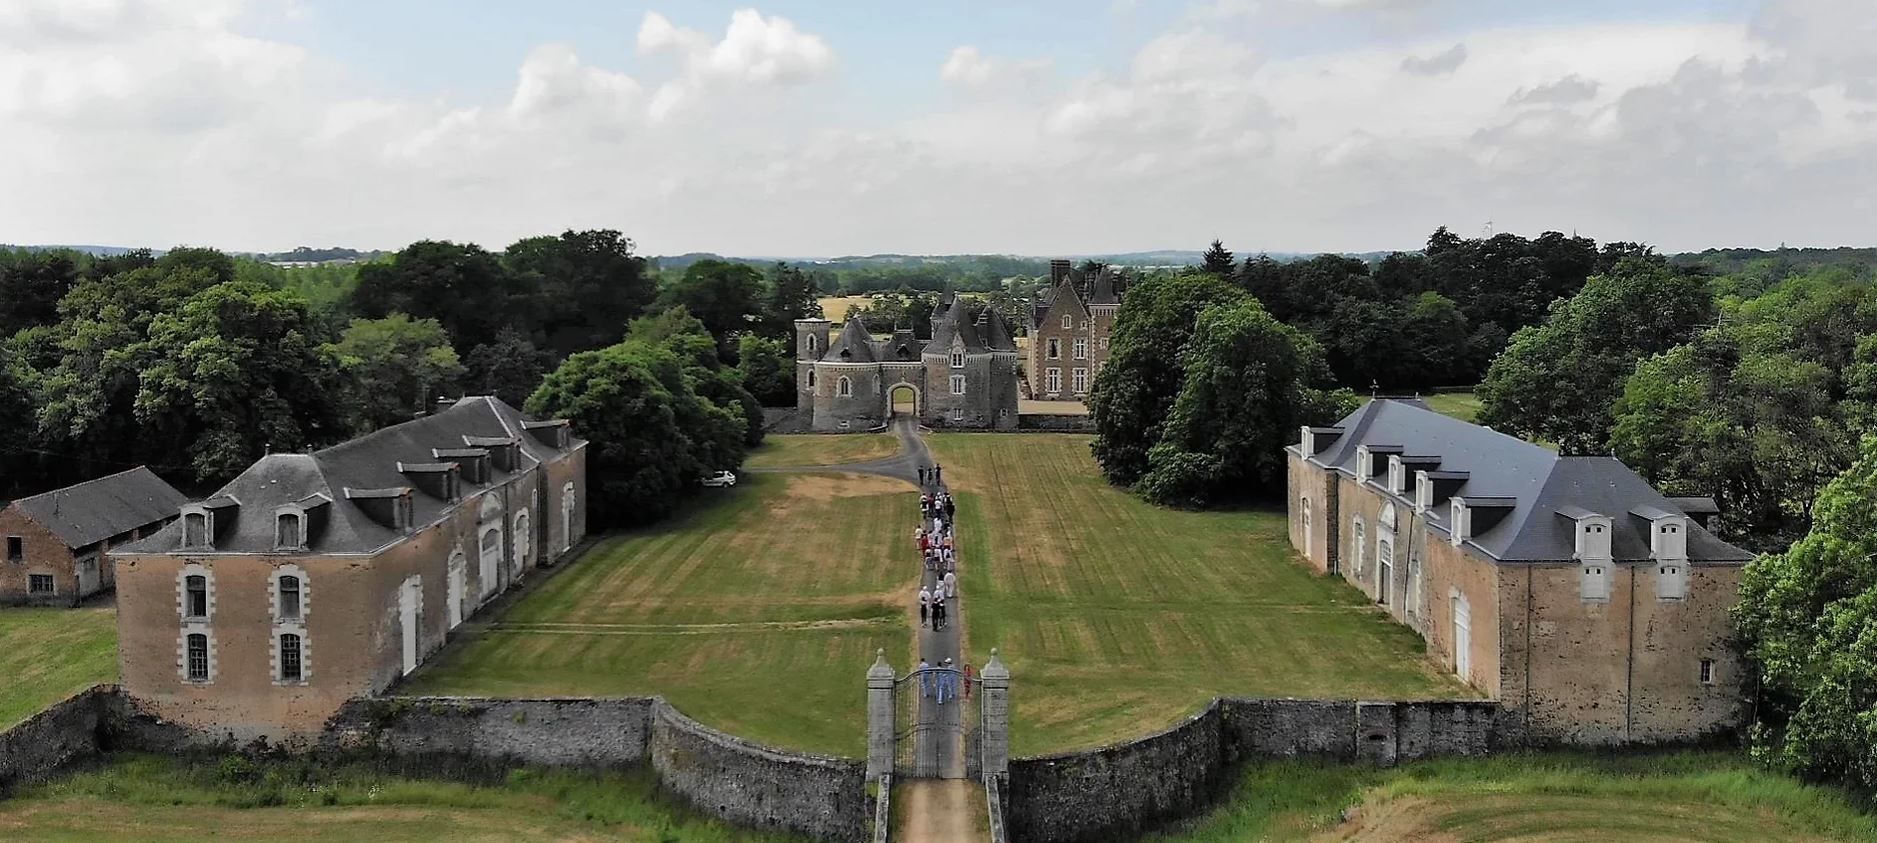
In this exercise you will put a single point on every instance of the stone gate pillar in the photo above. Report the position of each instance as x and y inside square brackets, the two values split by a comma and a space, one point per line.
[995, 739]
[879, 718]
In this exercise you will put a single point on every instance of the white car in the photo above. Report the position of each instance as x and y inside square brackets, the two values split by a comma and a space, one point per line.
[720, 479]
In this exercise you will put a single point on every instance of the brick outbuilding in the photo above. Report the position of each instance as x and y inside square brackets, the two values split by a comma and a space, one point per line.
[59, 543]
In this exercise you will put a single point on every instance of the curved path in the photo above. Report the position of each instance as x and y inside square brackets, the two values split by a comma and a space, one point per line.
[936, 809]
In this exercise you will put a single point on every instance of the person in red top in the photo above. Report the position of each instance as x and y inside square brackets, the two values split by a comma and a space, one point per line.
[970, 678]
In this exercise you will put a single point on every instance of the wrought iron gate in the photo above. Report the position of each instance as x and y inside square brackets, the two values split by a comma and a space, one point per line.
[934, 739]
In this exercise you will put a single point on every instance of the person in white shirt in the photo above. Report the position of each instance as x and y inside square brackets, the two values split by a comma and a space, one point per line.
[951, 585]
[925, 604]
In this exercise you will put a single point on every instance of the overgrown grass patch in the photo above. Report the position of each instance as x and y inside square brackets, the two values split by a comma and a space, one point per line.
[1683, 796]
[1117, 618]
[145, 797]
[47, 655]
[821, 449]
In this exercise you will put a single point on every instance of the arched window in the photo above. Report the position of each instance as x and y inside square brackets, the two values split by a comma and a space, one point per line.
[1303, 511]
[523, 540]
[814, 344]
[491, 557]
[811, 379]
[567, 517]
[1359, 545]
[844, 387]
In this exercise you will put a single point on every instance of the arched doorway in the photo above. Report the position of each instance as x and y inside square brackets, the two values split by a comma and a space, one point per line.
[904, 399]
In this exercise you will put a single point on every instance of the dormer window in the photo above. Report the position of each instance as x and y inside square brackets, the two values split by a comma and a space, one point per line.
[958, 359]
[290, 531]
[1068, 320]
[1397, 475]
[197, 530]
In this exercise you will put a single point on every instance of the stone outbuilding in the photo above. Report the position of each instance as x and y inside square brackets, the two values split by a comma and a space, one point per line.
[315, 578]
[963, 376]
[59, 543]
[1593, 608]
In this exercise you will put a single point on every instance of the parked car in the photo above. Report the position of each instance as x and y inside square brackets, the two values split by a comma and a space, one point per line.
[720, 479]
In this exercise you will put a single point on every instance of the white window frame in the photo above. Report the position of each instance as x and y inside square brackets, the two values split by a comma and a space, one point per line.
[274, 594]
[1384, 568]
[1361, 535]
[1080, 348]
[1079, 381]
[1052, 349]
[567, 504]
[52, 578]
[1303, 517]
[1068, 320]
[488, 565]
[194, 569]
[1595, 581]
[208, 529]
[456, 587]
[1671, 581]
[523, 543]
[182, 653]
[1052, 380]
[958, 359]
[844, 388]
[277, 665]
[1705, 673]
[958, 384]
[299, 528]
[814, 344]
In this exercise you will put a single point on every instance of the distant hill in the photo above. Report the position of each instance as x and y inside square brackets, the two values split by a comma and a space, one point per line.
[330, 253]
[99, 251]
[1777, 263]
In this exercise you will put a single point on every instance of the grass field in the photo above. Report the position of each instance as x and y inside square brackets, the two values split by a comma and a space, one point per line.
[1690, 796]
[816, 449]
[758, 613]
[155, 798]
[47, 655]
[1116, 618]
[1460, 405]
[835, 308]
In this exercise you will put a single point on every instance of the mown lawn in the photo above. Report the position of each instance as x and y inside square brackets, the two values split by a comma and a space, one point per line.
[1460, 405]
[835, 308]
[758, 612]
[141, 797]
[822, 449]
[1687, 796]
[47, 655]
[1117, 618]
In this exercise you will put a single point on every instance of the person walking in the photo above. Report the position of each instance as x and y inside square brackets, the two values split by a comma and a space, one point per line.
[970, 678]
[951, 508]
[925, 677]
[946, 690]
[925, 604]
[951, 585]
[938, 612]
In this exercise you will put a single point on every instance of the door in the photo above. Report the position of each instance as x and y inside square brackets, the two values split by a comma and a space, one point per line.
[87, 575]
[491, 550]
[410, 600]
[1462, 637]
[458, 586]
[1384, 568]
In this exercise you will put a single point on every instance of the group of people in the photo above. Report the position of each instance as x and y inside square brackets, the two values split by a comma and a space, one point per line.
[933, 475]
[936, 545]
[945, 682]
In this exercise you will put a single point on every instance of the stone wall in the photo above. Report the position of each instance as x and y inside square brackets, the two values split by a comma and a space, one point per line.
[754, 786]
[1123, 790]
[69, 731]
[573, 732]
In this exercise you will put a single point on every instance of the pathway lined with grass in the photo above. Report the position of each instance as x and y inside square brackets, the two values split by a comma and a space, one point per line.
[1117, 618]
[47, 655]
[1688, 796]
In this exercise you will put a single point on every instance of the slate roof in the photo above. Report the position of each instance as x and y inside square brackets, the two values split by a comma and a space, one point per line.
[367, 468]
[956, 324]
[95, 510]
[854, 345]
[1065, 287]
[1103, 291]
[1541, 484]
[997, 332]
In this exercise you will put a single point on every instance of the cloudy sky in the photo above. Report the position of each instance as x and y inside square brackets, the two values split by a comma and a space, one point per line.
[825, 127]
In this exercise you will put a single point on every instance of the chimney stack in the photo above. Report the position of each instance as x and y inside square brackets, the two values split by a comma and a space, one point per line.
[1058, 270]
[441, 403]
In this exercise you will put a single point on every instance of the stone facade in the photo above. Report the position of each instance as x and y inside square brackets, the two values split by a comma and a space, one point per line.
[1592, 608]
[257, 631]
[964, 376]
[1070, 331]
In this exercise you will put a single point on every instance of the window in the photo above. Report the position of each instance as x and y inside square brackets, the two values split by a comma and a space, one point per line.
[1671, 582]
[567, 512]
[1359, 545]
[1384, 567]
[1596, 583]
[844, 388]
[958, 384]
[958, 359]
[1055, 349]
[288, 532]
[811, 379]
[196, 596]
[523, 541]
[16, 548]
[1303, 510]
[813, 344]
[1081, 381]
[289, 593]
[1081, 348]
[1104, 344]
[1707, 671]
[1052, 380]
[197, 660]
[1068, 320]
[289, 657]
[40, 584]
[958, 414]
[491, 557]
[195, 529]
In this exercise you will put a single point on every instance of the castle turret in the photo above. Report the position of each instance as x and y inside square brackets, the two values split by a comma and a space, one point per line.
[811, 342]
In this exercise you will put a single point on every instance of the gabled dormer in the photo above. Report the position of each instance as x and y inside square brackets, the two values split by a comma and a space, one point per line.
[296, 524]
[1472, 515]
[554, 433]
[440, 480]
[1591, 534]
[504, 451]
[1372, 460]
[473, 464]
[204, 522]
[391, 508]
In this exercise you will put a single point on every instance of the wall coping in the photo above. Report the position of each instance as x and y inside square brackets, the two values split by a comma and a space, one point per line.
[1185, 722]
[664, 709]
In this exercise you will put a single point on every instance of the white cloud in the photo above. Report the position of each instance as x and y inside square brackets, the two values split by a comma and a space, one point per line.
[754, 51]
[969, 68]
[1446, 61]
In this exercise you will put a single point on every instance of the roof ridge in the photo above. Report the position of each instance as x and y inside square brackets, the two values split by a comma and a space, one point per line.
[83, 483]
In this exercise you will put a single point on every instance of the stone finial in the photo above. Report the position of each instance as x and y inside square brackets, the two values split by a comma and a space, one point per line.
[880, 668]
[995, 669]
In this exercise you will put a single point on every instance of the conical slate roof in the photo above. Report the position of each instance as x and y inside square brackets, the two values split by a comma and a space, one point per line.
[855, 345]
[955, 325]
[1103, 292]
[997, 332]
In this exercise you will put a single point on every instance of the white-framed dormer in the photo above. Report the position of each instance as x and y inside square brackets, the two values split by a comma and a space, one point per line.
[1591, 534]
[1668, 549]
[1397, 475]
[1459, 522]
[290, 526]
[198, 527]
[289, 595]
[1423, 493]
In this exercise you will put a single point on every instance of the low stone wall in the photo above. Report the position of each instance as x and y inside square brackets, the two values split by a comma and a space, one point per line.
[69, 731]
[1123, 790]
[1061, 424]
[759, 787]
[569, 732]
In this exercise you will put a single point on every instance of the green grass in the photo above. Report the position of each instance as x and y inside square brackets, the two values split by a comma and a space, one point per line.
[142, 797]
[1117, 618]
[821, 449]
[1460, 405]
[1686, 796]
[47, 655]
[757, 613]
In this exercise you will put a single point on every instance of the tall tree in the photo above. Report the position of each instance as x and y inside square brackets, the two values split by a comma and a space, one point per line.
[579, 289]
[508, 367]
[1558, 381]
[31, 284]
[726, 297]
[1136, 389]
[684, 335]
[391, 369]
[793, 294]
[768, 370]
[1218, 260]
[463, 287]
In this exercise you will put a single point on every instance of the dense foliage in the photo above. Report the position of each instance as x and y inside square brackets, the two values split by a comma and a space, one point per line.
[1809, 619]
[1201, 390]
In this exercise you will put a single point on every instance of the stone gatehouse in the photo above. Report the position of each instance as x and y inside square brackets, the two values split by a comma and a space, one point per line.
[964, 376]
[1593, 608]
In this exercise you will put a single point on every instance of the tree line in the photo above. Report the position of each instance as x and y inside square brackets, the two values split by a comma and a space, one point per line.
[196, 362]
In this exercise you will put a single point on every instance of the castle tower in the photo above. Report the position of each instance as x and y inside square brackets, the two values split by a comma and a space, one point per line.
[811, 341]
